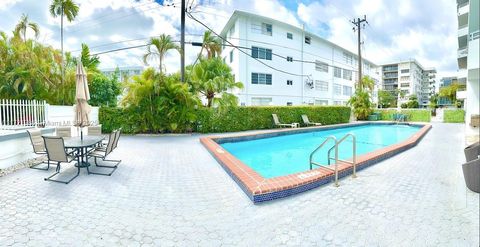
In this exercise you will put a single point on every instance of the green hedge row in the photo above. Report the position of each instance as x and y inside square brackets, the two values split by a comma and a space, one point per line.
[413, 115]
[210, 120]
[453, 116]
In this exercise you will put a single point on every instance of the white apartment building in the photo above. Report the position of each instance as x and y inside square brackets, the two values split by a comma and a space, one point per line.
[469, 53]
[125, 72]
[410, 78]
[318, 72]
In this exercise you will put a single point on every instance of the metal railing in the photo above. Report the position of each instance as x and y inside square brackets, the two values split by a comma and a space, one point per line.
[19, 113]
[335, 147]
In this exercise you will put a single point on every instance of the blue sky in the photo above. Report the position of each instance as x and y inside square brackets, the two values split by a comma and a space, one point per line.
[398, 30]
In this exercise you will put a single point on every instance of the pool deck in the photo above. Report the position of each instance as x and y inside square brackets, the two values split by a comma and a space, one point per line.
[169, 191]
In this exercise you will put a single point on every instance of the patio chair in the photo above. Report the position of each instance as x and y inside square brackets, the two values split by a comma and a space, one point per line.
[103, 152]
[64, 131]
[277, 123]
[307, 122]
[38, 148]
[472, 152]
[95, 130]
[55, 148]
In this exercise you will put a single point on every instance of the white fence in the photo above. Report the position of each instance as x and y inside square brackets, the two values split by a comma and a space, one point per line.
[19, 113]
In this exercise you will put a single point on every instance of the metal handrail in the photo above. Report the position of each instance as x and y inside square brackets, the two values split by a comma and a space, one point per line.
[354, 148]
[336, 157]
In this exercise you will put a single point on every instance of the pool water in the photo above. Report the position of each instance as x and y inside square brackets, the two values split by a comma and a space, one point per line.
[288, 154]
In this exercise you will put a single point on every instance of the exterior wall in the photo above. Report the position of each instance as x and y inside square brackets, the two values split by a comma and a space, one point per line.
[125, 72]
[280, 93]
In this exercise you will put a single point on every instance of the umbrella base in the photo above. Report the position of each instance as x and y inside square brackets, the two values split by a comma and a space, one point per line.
[82, 164]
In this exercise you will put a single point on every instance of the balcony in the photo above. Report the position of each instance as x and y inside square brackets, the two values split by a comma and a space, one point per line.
[463, 8]
[462, 52]
[462, 30]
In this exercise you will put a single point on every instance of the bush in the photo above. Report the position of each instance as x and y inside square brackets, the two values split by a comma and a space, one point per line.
[413, 115]
[231, 119]
[454, 116]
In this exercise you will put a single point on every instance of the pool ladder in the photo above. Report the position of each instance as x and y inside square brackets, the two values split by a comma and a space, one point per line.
[335, 147]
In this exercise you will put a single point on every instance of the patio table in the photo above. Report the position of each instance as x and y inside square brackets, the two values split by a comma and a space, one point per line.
[81, 146]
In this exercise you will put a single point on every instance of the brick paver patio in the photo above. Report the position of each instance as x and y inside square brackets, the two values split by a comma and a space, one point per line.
[169, 191]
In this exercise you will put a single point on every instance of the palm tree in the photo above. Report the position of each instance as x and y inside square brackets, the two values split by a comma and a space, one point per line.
[23, 25]
[212, 44]
[158, 47]
[62, 8]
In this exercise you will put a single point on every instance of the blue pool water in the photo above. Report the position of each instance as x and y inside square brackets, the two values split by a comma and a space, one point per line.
[288, 154]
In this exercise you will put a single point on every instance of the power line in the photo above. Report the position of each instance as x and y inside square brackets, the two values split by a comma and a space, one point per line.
[225, 40]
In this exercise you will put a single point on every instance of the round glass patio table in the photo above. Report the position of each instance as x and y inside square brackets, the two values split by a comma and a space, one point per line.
[81, 145]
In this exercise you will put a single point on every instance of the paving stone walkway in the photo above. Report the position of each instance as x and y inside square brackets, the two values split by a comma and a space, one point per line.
[169, 191]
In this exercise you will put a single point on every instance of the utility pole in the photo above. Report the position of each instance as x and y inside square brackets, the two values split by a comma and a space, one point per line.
[182, 43]
[358, 27]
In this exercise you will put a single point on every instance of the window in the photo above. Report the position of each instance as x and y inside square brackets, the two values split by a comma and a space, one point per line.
[337, 102]
[289, 59]
[261, 101]
[231, 56]
[348, 58]
[289, 36]
[337, 89]
[289, 103]
[321, 86]
[337, 72]
[289, 82]
[308, 40]
[347, 91]
[347, 74]
[260, 78]
[321, 102]
[261, 53]
[404, 71]
[404, 78]
[232, 31]
[263, 28]
[404, 84]
[320, 66]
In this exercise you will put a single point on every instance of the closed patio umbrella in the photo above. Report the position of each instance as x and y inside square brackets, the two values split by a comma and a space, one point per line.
[82, 95]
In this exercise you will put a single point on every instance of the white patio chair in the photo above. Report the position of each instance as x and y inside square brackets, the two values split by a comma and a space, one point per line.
[38, 148]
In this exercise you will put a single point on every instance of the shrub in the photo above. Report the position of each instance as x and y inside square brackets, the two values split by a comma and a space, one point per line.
[454, 116]
[414, 115]
[229, 119]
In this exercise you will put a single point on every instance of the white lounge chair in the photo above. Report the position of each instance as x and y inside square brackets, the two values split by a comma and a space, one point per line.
[307, 122]
[277, 123]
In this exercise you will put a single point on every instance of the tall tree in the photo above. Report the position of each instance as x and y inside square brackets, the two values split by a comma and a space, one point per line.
[23, 25]
[212, 44]
[158, 48]
[67, 8]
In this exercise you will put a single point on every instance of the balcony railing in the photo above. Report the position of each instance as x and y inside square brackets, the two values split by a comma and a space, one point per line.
[463, 4]
[462, 52]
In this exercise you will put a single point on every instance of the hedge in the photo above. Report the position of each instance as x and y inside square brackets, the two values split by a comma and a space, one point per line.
[210, 120]
[453, 116]
[413, 115]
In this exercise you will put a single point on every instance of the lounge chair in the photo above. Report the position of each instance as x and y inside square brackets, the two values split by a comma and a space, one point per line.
[38, 148]
[64, 131]
[56, 152]
[277, 123]
[307, 122]
[103, 152]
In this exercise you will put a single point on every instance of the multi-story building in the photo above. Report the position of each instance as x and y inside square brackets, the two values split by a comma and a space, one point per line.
[124, 72]
[410, 78]
[469, 52]
[281, 64]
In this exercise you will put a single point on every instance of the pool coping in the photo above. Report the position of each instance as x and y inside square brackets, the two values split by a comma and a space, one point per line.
[260, 189]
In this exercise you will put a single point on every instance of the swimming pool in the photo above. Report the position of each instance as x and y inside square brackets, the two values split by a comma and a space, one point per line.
[288, 154]
[275, 164]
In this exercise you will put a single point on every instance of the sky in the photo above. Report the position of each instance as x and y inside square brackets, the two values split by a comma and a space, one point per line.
[398, 29]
